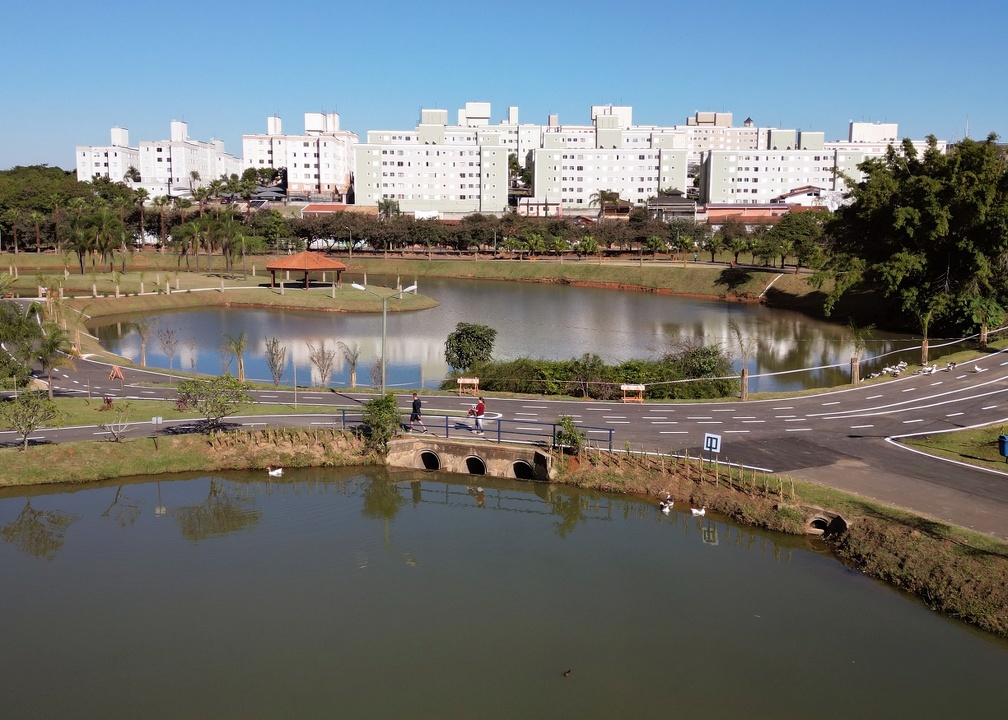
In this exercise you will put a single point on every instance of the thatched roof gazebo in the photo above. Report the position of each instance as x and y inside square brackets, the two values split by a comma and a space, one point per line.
[305, 262]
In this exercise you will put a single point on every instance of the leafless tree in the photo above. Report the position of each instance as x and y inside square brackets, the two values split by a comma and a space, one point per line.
[322, 359]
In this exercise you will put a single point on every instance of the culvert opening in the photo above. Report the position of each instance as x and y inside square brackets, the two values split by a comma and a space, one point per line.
[475, 466]
[817, 526]
[429, 460]
[522, 470]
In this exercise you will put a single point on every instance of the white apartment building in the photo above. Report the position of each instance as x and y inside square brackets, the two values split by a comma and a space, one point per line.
[111, 161]
[165, 166]
[319, 162]
[436, 168]
[790, 161]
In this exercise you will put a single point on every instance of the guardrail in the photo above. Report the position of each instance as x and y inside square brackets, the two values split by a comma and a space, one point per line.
[495, 429]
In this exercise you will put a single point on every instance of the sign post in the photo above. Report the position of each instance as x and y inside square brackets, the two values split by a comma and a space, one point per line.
[712, 443]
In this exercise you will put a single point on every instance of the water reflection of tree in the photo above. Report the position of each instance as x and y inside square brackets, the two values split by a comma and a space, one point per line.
[124, 510]
[218, 515]
[39, 533]
[381, 499]
[569, 512]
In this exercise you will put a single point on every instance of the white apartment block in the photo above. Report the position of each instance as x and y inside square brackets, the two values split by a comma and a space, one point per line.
[791, 160]
[165, 166]
[436, 168]
[320, 162]
[112, 161]
[759, 176]
[573, 177]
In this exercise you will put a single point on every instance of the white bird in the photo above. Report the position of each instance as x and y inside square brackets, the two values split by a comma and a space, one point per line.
[274, 472]
[977, 368]
[699, 513]
[666, 504]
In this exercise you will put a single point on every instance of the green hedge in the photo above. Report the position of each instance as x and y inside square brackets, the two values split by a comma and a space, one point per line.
[689, 374]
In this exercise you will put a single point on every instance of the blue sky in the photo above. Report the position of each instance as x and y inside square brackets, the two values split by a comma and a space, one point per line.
[72, 69]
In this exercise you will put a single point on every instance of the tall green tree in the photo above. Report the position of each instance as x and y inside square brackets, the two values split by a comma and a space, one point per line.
[468, 344]
[929, 231]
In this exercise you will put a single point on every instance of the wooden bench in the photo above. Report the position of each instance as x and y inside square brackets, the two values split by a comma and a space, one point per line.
[632, 393]
[468, 385]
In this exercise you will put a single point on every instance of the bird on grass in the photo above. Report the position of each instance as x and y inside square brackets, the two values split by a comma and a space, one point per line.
[699, 513]
[274, 472]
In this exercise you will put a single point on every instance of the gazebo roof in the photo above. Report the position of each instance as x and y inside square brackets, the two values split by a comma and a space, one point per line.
[306, 262]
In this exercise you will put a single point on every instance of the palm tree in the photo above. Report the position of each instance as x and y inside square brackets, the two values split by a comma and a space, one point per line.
[36, 219]
[194, 178]
[352, 356]
[602, 198]
[236, 345]
[140, 196]
[12, 217]
[107, 234]
[202, 195]
[161, 203]
[53, 351]
[144, 327]
[132, 174]
[388, 208]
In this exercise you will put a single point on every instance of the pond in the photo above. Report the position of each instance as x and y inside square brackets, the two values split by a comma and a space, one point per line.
[532, 320]
[360, 593]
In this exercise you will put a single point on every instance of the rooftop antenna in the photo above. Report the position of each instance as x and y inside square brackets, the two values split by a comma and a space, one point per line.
[967, 128]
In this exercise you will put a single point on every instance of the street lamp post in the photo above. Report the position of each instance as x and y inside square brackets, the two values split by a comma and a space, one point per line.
[384, 321]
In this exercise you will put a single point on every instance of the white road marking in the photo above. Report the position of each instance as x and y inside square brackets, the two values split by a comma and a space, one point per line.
[735, 431]
[835, 402]
[937, 383]
[614, 417]
[873, 397]
[665, 422]
[746, 422]
[699, 417]
[528, 414]
[909, 389]
[527, 428]
[989, 407]
[907, 422]
[673, 432]
[955, 414]
[726, 410]
[787, 407]
[617, 422]
[796, 419]
[710, 422]
[858, 427]
[535, 407]
[797, 429]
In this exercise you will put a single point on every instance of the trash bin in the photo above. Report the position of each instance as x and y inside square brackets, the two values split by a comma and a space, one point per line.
[1003, 446]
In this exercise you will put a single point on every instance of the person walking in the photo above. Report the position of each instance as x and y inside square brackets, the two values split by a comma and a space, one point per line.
[414, 417]
[478, 411]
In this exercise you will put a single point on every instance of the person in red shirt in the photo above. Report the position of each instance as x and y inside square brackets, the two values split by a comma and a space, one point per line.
[478, 411]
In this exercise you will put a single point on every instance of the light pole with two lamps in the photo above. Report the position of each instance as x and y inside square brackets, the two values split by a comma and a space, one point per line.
[384, 320]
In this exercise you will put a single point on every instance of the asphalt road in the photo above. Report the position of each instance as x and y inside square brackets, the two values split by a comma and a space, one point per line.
[843, 439]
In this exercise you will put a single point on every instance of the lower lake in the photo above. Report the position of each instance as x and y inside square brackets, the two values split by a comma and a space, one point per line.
[790, 351]
[364, 593]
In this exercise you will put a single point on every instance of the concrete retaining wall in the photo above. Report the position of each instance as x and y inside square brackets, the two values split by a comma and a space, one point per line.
[471, 457]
